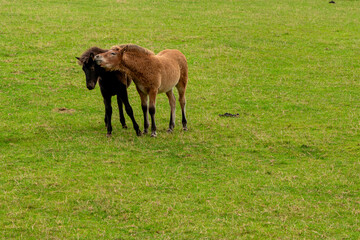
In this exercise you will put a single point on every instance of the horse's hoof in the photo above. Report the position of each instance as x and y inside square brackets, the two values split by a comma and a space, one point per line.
[108, 135]
[145, 132]
[153, 134]
[124, 126]
[138, 133]
[185, 129]
[169, 130]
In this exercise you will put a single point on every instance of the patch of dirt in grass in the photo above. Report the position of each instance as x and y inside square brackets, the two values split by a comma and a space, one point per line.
[229, 115]
[64, 110]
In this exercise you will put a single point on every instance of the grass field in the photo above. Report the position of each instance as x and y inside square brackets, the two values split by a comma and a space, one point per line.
[286, 168]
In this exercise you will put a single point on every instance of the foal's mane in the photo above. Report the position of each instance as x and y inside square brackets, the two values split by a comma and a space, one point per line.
[86, 55]
[136, 48]
[133, 48]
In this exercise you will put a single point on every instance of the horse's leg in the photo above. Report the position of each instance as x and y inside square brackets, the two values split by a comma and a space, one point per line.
[172, 102]
[181, 87]
[144, 106]
[105, 119]
[124, 98]
[121, 112]
[108, 113]
[152, 101]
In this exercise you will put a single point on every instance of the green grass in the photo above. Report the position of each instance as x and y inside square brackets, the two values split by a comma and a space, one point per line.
[287, 168]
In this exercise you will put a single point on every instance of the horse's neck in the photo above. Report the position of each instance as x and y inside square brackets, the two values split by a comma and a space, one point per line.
[137, 64]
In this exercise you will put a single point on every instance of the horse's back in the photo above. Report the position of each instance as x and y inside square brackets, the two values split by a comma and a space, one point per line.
[173, 54]
[178, 57]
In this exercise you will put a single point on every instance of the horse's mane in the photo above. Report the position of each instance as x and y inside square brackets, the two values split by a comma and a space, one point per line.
[86, 55]
[133, 48]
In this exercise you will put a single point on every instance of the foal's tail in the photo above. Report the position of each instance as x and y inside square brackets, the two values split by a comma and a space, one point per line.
[181, 87]
[183, 70]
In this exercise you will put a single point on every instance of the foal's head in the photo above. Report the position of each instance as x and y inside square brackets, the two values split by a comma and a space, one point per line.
[91, 69]
[111, 60]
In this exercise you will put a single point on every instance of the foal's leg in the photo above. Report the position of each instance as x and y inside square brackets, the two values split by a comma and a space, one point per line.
[144, 106]
[108, 113]
[172, 102]
[181, 88]
[152, 101]
[124, 98]
[121, 112]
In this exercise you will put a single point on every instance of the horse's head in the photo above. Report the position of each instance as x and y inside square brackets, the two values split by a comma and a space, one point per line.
[111, 60]
[91, 70]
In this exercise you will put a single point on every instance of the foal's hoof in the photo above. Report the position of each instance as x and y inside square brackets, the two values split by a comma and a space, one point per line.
[125, 126]
[185, 128]
[169, 130]
[108, 135]
[138, 133]
[145, 131]
[153, 134]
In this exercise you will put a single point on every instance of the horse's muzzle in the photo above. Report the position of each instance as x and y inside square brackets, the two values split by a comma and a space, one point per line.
[98, 59]
[90, 86]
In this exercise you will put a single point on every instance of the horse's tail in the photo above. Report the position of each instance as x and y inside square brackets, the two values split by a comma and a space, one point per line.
[183, 67]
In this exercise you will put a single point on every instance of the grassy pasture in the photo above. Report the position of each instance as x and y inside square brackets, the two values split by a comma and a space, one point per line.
[287, 168]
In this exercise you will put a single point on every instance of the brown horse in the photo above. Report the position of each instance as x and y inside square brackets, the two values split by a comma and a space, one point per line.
[152, 74]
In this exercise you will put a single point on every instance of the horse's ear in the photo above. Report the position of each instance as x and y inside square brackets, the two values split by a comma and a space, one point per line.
[79, 61]
[123, 50]
[92, 56]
